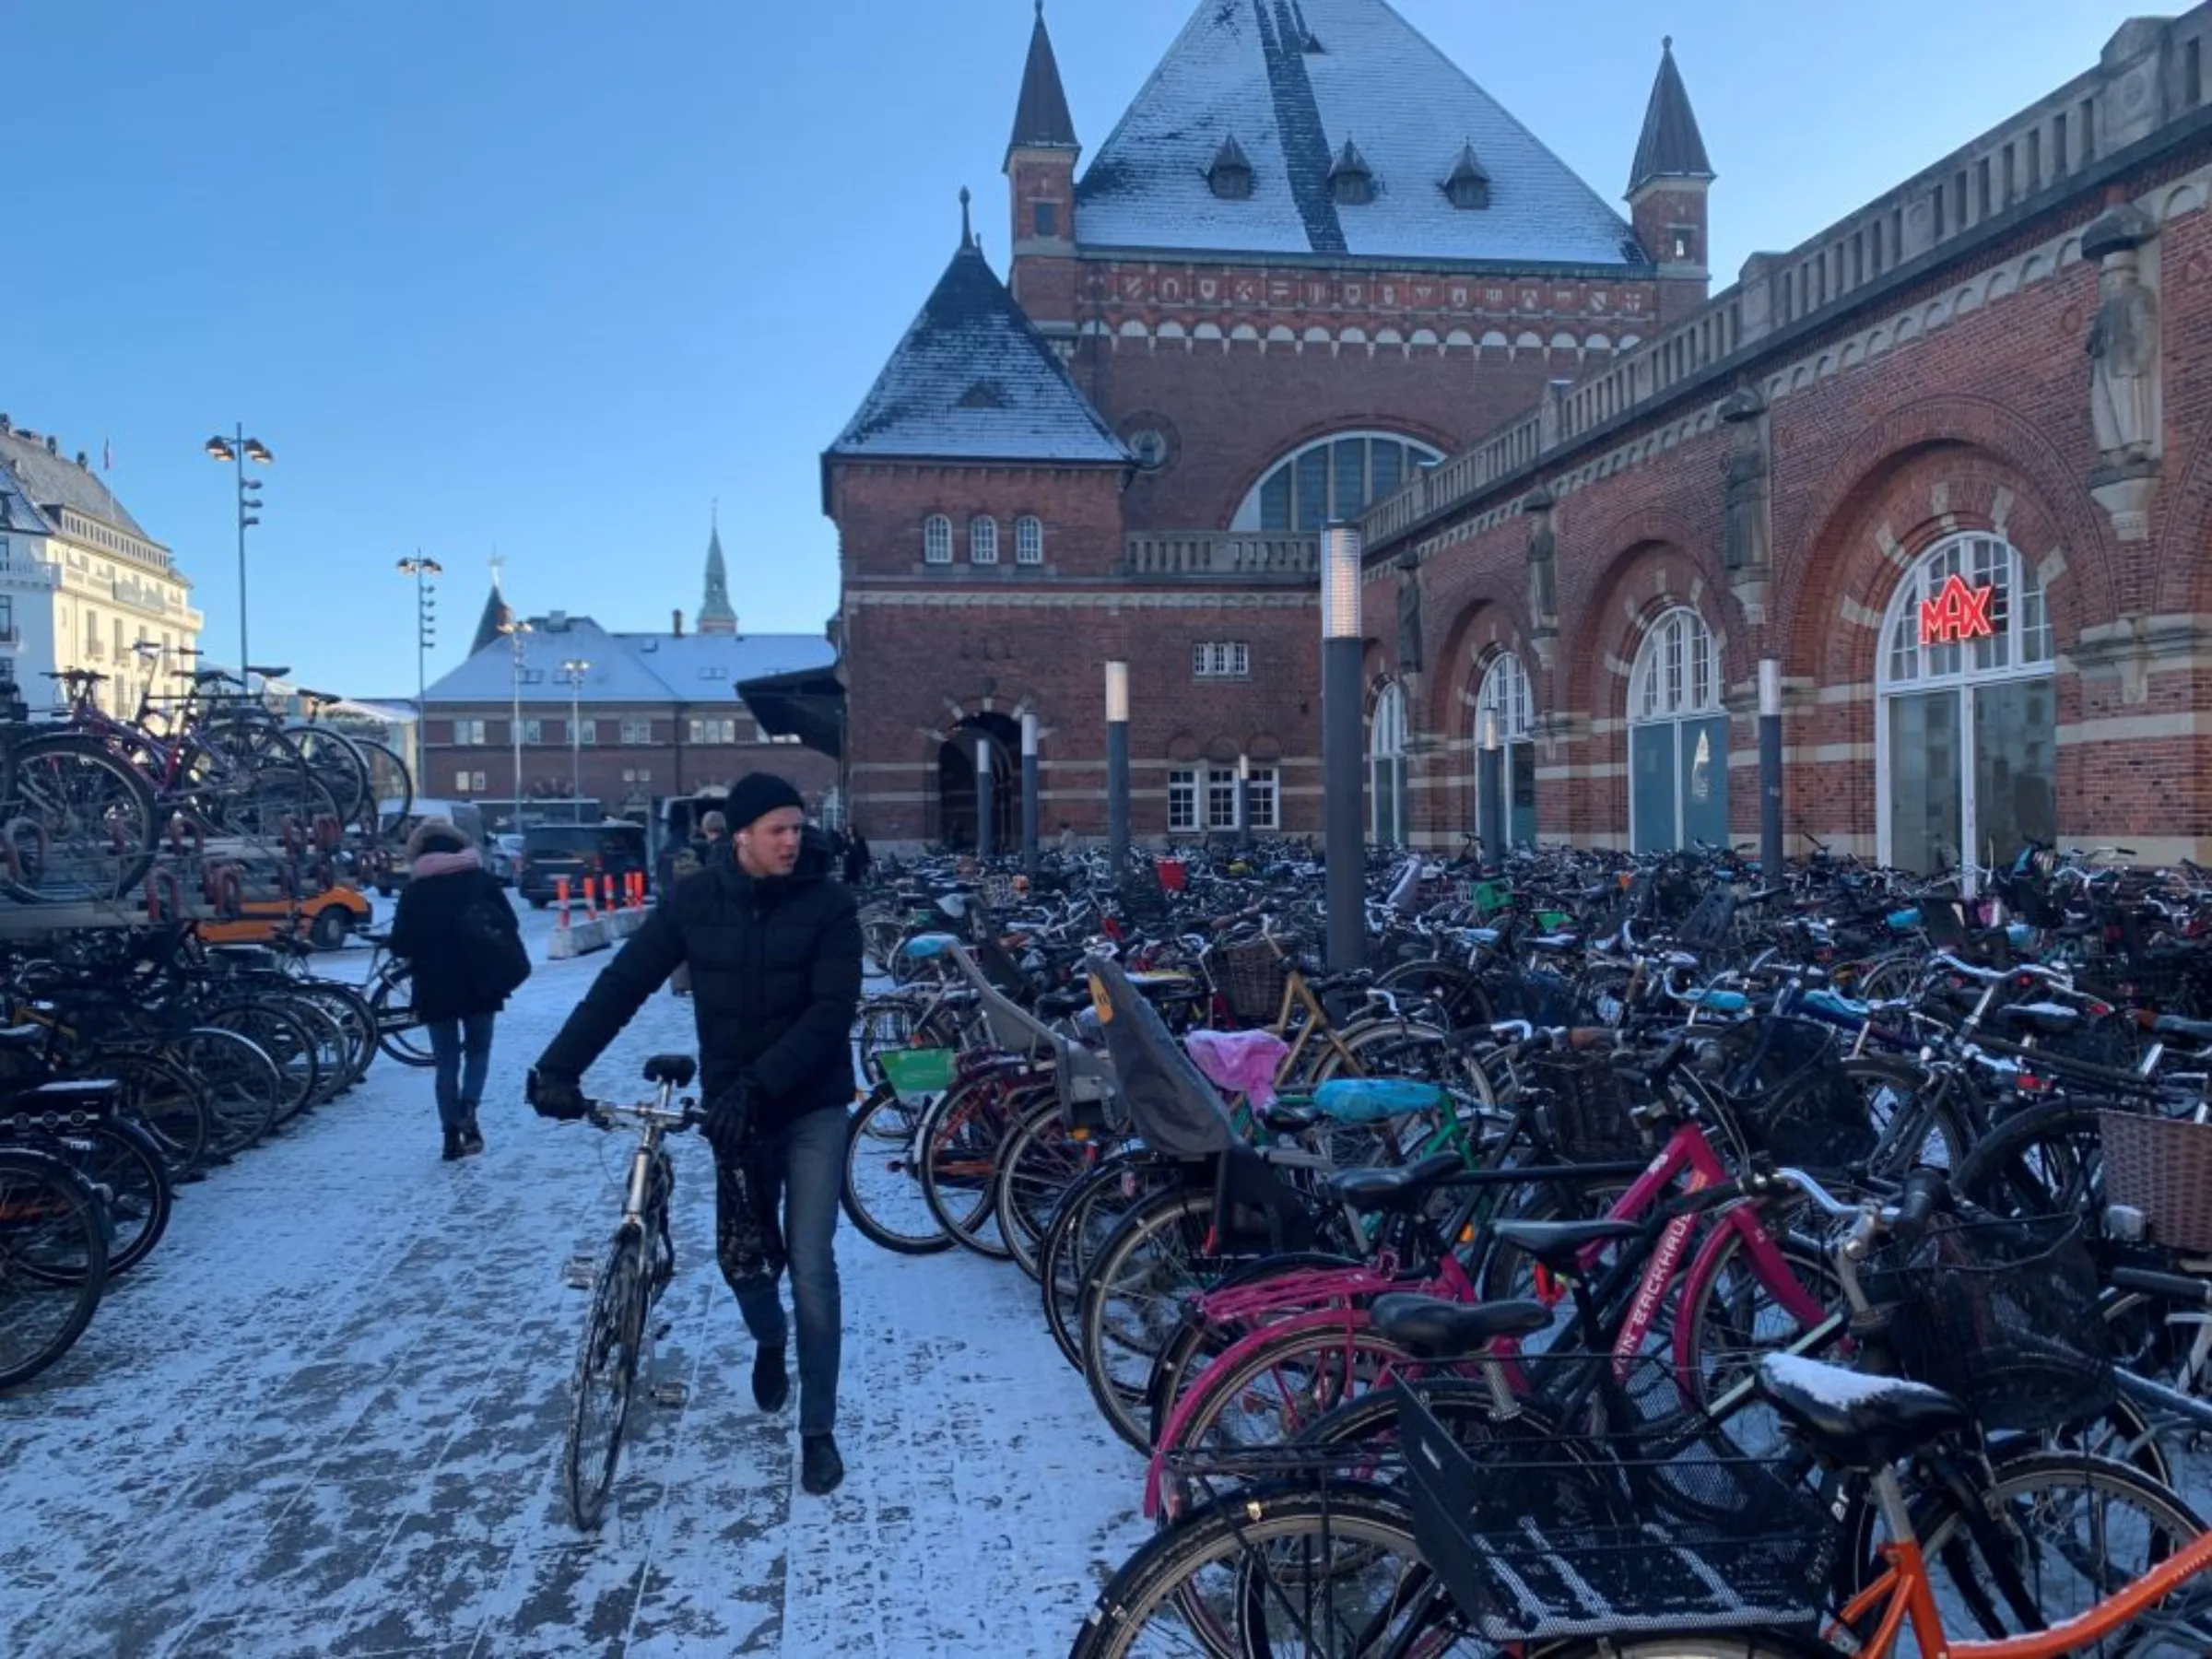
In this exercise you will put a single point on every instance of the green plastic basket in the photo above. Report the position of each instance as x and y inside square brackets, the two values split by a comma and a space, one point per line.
[916, 1072]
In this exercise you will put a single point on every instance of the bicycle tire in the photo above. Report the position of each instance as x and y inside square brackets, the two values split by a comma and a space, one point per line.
[962, 1140]
[356, 1019]
[390, 783]
[1086, 1218]
[1164, 1222]
[42, 1315]
[333, 759]
[869, 1202]
[72, 792]
[245, 1089]
[164, 1098]
[398, 1032]
[606, 1376]
[2046, 1160]
[1038, 1163]
[122, 1159]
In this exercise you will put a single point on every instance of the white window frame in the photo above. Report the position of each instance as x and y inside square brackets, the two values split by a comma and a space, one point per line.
[1386, 749]
[1677, 676]
[982, 539]
[470, 734]
[1266, 797]
[461, 780]
[1182, 800]
[477, 784]
[590, 733]
[936, 539]
[637, 734]
[2021, 649]
[1028, 540]
[1221, 659]
[1248, 514]
[1505, 691]
[713, 731]
[1220, 798]
[533, 733]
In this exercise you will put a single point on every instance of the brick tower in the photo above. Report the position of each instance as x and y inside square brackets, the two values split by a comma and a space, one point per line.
[1667, 188]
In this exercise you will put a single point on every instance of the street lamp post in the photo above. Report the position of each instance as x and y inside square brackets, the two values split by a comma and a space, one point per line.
[1340, 655]
[425, 635]
[1117, 770]
[985, 806]
[1770, 772]
[517, 631]
[576, 668]
[238, 449]
[1490, 830]
[1030, 802]
[1244, 802]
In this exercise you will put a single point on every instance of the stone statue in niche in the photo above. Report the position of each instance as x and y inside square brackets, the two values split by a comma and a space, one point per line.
[1543, 560]
[1410, 612]
[2123, 339]
[1744, 538]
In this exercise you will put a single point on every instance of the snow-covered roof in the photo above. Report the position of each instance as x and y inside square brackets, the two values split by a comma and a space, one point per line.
[974, 380]
[54, 480]
[1294, 81]
[626, 667]
[17, 511]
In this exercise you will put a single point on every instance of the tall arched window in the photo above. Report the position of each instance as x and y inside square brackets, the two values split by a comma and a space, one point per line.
[1331, 478]
[983, 540]
[1677, 739]
[1505, 693]
[1386, 769]
[1966, 745]
[1028, 541]
[936, 539]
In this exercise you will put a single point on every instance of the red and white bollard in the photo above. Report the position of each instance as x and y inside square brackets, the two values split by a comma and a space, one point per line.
[560, 891]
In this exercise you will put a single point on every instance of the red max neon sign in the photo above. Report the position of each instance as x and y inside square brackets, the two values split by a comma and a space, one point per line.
[1958, 612]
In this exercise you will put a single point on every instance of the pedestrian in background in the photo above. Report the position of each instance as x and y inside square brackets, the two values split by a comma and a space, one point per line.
[463, 947]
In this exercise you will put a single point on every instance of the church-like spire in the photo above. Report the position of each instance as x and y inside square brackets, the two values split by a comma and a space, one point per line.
[1671, 146]
[492, 624]
[715, 614]
[1041, 119]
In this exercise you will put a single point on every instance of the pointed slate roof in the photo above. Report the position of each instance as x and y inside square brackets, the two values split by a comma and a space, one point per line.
[17, 511]
[1294, 79]
[1041, 119]
[974, 380]
[716, 615]
[1671, 147]
[488, 624]
[54, 482]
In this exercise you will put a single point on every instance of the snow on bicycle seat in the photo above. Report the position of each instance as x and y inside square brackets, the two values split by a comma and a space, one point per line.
[1368, 1191]
[2042, 1016]
[678, 1069]
[268, 674]
[1431, 1328]
[1560, 1243]
[1852, 1418]
[1370, 1100]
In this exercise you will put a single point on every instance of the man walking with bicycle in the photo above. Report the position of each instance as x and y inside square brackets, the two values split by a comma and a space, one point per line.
[774, 952]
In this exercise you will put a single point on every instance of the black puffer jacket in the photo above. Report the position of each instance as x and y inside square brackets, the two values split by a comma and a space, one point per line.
[775, 984]
[426, 929]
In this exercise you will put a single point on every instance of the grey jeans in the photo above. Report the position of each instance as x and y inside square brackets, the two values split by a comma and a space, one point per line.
[462, 1049]
[804, 1171]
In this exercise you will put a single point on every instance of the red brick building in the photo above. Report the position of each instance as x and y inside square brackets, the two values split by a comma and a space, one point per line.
[1239, 322]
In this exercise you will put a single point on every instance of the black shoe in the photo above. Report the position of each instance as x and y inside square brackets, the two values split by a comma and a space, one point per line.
[454, 1148]
[821, 1470]
[472, 1137]
[771, 1383]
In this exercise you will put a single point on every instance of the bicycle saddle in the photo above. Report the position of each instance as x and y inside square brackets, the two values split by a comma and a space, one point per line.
[1851, 1418]
[1432, 1328]
[676, 1069]
[1559, 1244]
[1369, 1191]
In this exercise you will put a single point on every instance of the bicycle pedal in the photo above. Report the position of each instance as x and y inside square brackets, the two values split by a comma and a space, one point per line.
[670, 1395]
[580, 1273]
[661, 1331]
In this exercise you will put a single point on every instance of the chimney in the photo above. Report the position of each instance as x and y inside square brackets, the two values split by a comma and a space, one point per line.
[82, 464]
[52, 448]
[558, 622]
[7, 425]
[676, 625]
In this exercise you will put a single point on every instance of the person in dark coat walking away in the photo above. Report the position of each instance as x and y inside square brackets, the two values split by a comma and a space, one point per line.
[775, 951]
[452, 996]
[857, 858]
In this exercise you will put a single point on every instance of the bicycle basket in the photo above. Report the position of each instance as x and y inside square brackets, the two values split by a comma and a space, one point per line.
[1799, 1105]
[2161, 1167]
[1573, 1537]
[2003, 1315]
[1583, 1104]
[914, 1074]
[1544, 999]
[1250, 978]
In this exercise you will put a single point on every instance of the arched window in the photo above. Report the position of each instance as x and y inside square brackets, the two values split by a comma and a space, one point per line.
[1966, 744]
[936, 539]
[1028, 541]
[1677, 739]
[1505, 694]
[1386, 778]
[983, 540]
[1331, 478]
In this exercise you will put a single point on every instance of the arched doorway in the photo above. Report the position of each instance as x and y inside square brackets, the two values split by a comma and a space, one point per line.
[1505, 694]
[1966, 744]
[1387, 780]
[1001, 736]
[1677, 739]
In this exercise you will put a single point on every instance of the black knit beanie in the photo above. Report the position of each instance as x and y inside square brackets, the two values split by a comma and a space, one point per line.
[757, 794]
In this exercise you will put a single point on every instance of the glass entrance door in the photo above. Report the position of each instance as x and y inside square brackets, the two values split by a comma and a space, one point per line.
[1972, 768]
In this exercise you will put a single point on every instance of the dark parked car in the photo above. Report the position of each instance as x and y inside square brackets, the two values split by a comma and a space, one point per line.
[551, 851]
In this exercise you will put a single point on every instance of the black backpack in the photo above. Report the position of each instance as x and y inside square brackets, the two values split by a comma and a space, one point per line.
[491, 944]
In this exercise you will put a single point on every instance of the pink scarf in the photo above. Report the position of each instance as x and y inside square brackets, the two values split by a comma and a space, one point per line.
[448, 864]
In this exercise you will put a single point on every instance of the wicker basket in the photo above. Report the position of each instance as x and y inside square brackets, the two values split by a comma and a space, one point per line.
[2163, 1168]
[1250, 976]
[1585, 1106]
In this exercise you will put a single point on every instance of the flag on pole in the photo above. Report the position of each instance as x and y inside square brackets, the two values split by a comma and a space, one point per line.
[107, 456]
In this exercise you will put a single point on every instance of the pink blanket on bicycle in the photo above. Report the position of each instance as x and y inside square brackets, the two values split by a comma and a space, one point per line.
[1241, 1061]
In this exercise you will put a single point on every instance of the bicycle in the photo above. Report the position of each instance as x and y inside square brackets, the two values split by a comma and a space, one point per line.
[639, 1263]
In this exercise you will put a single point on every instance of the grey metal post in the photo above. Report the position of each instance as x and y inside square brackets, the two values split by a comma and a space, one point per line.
[1490, 774]
[984, 784]
[1771, 854]
[1029, 797]
[1117, 769]
[1343, 818]
[1244, 802]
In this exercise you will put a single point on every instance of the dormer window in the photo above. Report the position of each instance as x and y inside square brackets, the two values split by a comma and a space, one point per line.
[1351, 181]
[1469, 188]
[1230, 177]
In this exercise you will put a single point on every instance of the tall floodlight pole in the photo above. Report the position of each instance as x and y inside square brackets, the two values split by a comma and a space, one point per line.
[985, 803]
[1244, 802]
[1491, 828]
[1770, 772]
[1029, 803]
[425, 635]
[1342, 816]
[517, 631]
[238, 449]
[1117, 770]
[576, 668]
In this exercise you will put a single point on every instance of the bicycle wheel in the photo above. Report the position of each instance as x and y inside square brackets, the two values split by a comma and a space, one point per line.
[1320, 1573]
[1133, 1301]
[398, 1032]
[288, 1043]
[391, 783]
[883, 1186]
[53, 1261]
[245, 1089]
[164, 1098]
[334, 761]
[124, 1163]
[607, 1370]
[77, 823]
[1279, 1387]
[1086, 1218]
[959, 1146]
[356, 1022]
[1036, 1165]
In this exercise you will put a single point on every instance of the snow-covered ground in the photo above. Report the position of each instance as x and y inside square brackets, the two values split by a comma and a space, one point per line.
[324, 1417]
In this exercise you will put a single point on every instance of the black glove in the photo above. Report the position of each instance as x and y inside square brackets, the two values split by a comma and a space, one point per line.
[728, 1126]
[555, 1097]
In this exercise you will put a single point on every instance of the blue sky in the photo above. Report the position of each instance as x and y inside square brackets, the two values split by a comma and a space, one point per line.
[549, 276]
